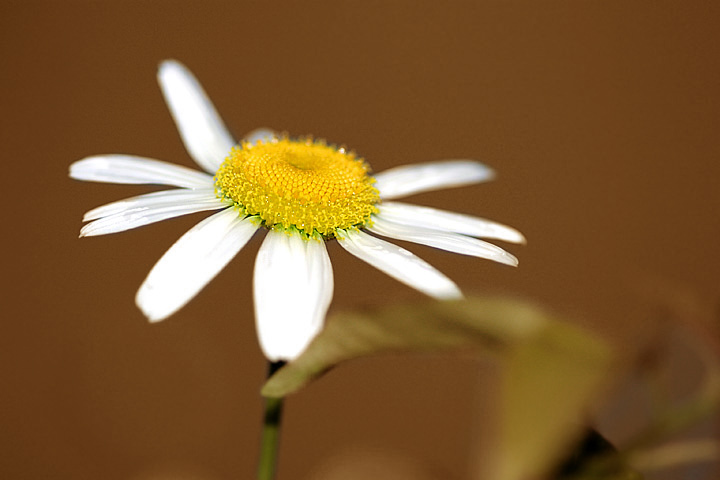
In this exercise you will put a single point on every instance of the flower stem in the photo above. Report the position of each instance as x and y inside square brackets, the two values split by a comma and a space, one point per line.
[270, 432]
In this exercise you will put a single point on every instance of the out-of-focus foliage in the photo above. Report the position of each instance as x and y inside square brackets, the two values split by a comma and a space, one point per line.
[551, 370]
[552, 373]
[549, 380]
[516, 330]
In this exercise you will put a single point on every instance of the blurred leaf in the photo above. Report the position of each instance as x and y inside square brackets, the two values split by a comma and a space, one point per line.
[551, 369]
[482, 324]
[548, 383]
[676, 454]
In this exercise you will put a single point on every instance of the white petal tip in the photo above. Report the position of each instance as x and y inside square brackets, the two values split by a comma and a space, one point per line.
[169, 64]
[451, 294]
[511, 235]
[508, 259]
[145, 306]
[171, 69]
[282, 357]
[155, 319]
[77, 167]
[91, 230]
[486, 173]
[283, 352]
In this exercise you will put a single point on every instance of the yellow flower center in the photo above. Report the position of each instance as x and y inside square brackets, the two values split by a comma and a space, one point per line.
[301, 184]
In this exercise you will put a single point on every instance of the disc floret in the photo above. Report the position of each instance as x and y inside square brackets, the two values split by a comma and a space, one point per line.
[302, 185]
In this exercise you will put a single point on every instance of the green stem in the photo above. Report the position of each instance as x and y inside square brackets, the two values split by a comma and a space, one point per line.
[270, 432]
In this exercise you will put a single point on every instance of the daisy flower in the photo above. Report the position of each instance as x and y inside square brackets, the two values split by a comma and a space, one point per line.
[303, 192]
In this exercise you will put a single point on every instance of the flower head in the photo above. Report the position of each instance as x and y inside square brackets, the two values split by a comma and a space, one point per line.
[299, 184]
[304, 192]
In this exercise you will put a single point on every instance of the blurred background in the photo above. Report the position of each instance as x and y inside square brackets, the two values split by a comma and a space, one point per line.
[600, 118]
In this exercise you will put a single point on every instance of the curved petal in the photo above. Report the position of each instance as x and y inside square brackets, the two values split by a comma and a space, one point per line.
[137, 170]
[152, 200]
[423, 177]
[145, 209]
[192, 262]
[202, 130]
[435, 219]
[293, 286]
[400, 264]
[451, 242]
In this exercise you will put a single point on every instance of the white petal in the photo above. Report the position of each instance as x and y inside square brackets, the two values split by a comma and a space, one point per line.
[192, 262]
[400, 264]
[260, 134]
[150, 200]
[132, 169]
[202, 130]
[145, 209]
[422, 177]
[451, 242]
[435, 219]
[293, 288]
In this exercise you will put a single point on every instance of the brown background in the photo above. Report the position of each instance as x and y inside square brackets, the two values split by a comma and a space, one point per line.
[601, 118]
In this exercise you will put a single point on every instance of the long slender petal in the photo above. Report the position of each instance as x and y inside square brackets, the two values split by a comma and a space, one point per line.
[434, 219]
[423, 177]
[400, 264]
[192, 262]
[136, 170]
[293, 286]
[151, 200]
[202, 130]
[147, 209]
[451, 242]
